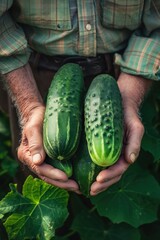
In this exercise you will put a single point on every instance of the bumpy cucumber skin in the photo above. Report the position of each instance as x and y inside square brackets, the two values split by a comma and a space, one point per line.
[85, 170]
[63, 116]
[65, 166]
[104, 120]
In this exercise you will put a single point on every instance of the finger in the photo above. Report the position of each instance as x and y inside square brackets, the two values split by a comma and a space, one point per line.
[44, 169]
[97, 187]
[69, 185]
[112, 172]
[133, 141]
[47, 171]
[23, 154]
[35, 144]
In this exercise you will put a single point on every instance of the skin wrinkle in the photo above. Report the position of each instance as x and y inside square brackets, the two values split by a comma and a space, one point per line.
[127, 90]
[24, 96]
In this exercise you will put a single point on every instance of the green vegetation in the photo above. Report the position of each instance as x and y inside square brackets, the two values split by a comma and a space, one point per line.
[127, 210]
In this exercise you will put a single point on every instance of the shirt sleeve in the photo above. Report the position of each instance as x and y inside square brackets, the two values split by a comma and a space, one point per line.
[142, 55]
[13, 44]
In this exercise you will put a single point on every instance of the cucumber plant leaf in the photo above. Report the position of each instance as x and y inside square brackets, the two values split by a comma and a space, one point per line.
[150, 118]
[36, 213]
[90, 226]
[134, 199]
[151, 144]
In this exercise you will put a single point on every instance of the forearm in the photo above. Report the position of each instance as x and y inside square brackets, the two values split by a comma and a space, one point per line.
[133, 88]
[23, 91]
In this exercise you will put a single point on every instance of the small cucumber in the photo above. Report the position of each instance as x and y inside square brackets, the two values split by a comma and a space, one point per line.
[85, 170]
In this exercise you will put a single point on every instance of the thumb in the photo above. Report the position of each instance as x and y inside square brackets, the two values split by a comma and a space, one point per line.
[35, 144]
[133, 140]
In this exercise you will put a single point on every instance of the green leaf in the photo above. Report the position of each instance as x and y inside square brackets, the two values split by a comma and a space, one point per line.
[91, 227]
[150, 113]
[151, 143]
[12, 201]
[37, 212]
[134, 199]
[77, 202]
[123, 231]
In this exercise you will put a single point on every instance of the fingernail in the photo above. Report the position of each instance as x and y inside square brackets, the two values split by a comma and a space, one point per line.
[36, 158]
[99, 179]
[132, 157]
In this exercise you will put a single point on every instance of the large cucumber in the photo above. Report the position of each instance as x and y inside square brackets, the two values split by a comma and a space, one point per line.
[63, 115]
[85, 170]
[104, 120]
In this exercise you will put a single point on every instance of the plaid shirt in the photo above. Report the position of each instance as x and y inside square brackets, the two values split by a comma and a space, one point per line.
[129, 29]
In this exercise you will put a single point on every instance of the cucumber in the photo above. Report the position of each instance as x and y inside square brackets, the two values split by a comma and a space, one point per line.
[65, 166]
[63, 115]
[104, 120]
[85, 170]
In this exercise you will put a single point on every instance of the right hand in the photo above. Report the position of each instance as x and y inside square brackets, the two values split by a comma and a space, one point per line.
[31, 152]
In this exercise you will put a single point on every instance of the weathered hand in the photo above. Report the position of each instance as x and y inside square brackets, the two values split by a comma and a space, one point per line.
[132, 89]
[31, 153]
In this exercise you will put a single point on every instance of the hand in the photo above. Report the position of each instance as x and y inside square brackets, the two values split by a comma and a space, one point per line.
[132, 89]
[31, 152]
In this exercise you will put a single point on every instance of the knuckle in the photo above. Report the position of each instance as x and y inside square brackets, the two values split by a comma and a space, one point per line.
[31, 128]
[33, 146]
[26, 129]
[136, 145]
[138, 126]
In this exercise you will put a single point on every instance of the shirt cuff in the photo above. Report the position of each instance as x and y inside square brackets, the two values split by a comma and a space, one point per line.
[141, 57]
[10, 63]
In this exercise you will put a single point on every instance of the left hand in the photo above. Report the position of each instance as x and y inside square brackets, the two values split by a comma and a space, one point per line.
[31, 152]
[133, 90]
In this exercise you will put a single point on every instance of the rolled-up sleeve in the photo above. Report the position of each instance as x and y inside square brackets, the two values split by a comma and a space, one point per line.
[142, 55]
[14, 52]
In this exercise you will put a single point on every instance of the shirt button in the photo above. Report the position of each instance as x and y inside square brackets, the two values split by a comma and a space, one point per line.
[88, 27]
